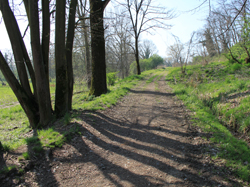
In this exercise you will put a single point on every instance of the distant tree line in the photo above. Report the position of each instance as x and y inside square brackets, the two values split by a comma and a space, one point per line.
[225, 34]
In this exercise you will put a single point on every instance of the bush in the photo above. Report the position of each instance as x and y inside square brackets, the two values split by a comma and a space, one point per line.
[147, 64]
[236, 67]
[111, 78]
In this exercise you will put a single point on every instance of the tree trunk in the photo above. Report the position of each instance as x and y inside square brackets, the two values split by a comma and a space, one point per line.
[46, 35]
[137, 56]
[28, 104]
[98, 80]
[42, 82]
[87, 51]
[69, 48]
[26, 55]
[61, 101]
[14, 33]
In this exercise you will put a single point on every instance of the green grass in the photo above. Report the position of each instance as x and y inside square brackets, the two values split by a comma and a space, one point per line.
[218, 96]
[7, 97]
[85, 102]
[14, 126]
[151, 79]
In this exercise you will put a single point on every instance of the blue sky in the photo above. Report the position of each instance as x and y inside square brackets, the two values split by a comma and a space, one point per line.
[183, 25]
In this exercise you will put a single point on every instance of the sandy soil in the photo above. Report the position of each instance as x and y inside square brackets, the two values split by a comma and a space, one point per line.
[145, 140]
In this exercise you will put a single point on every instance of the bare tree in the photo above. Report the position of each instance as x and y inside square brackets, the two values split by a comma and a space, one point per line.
[179, 54]
[145, 16]
[176, 51]
[83, 13]
[118, 45]
[36, 104]
[147, 49]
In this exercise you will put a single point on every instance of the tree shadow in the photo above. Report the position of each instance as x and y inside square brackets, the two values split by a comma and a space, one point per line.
[99, 131]
[152, 93]
[38, 166]
[115, 133]
[8, 172]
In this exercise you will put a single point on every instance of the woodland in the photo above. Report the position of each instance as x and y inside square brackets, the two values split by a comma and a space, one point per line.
[83, 60]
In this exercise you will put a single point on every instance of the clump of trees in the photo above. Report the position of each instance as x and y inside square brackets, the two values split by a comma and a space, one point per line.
[144, 16]
[180, 54]
[79, 46]
[147, 64]
[226, 32]
[36, 102]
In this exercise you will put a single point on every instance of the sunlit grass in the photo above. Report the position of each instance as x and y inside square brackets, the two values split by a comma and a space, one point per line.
[218, 96]
[14, 126]
[121, 88]
[7, 97]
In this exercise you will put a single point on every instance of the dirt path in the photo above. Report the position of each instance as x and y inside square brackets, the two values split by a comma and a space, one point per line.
[145, 140]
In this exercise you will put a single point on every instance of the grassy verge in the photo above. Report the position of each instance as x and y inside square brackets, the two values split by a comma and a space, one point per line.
[14, 127]
[218, 95]
[85, 102]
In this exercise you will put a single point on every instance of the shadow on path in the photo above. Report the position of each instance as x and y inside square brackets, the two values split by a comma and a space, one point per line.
[107, 144]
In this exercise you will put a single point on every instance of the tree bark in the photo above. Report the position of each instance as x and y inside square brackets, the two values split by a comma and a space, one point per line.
[87, 51]
[98, 80]
[46, 35]
[42, 82]
[61, 101]
[69, 48]
[26, 55]
[137, 56]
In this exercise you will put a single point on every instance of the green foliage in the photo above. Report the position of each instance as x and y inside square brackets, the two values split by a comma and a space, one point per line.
[236, 67]
[25, 156]
[111, 78]
[197, 59]
[219, 105]
[32, 140]
[5, 170]
[38, 149]
[156, 60]
[6, 148]
[66, 119]
[239, 50]
[147, 64]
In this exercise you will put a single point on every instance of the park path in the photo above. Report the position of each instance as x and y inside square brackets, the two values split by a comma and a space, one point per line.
[145, 140]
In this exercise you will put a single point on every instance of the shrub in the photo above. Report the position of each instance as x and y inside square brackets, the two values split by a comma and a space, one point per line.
[236, 67]
[147, 64]
[26, 155]
[111, 78]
